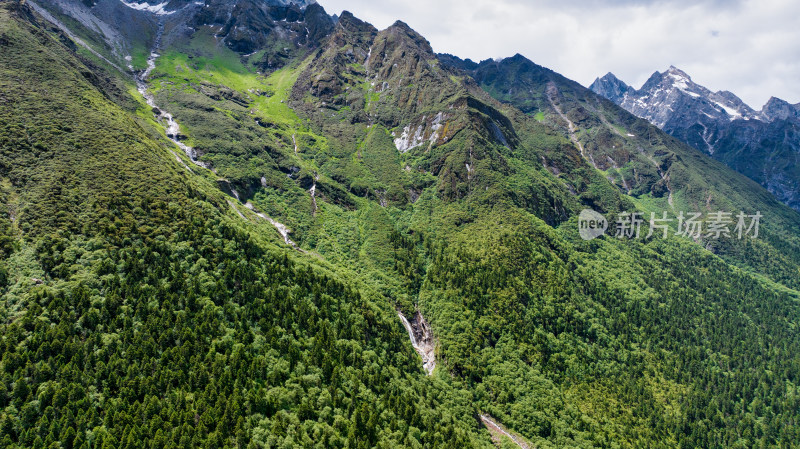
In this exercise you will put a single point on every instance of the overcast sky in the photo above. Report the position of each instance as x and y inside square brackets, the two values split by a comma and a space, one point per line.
[749, 47]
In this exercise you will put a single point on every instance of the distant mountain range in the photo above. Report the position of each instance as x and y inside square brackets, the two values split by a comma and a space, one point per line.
[764, 145]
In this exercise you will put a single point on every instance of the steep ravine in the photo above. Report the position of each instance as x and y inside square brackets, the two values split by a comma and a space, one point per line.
[172, 127]
[282, 229]
[499, 431]
[421, 339]
[552, 95]
[419, 332]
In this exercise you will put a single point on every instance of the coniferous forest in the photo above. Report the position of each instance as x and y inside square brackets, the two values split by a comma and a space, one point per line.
[335, 198]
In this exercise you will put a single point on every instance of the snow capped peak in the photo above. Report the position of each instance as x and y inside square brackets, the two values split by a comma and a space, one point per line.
[671, 100]
[678, 78]
[672, 70]
[159, 9]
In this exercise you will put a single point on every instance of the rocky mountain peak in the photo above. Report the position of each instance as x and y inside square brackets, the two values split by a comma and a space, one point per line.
[675, 78]
[401, 24]
[401, 33]
[678, 75]
[761, 144]
[777, 109]
[611, 87]
[518, 57]
[672, 100]
[654, 80]
[349, 22]
[352, 31]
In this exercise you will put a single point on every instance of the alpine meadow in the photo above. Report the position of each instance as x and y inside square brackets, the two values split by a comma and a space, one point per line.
[254, 224]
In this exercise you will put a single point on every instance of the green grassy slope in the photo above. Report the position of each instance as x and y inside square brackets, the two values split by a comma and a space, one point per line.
[139, 310]
[608, 343]
[656, 171]
[601, 344]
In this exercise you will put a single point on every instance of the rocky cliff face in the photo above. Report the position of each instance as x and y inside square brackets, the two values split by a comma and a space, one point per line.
[777, 109]
[392, 80]
[611, 87]
[250, 25]
[761, 144]
[767, 152]
[676, 104]
[279, 28]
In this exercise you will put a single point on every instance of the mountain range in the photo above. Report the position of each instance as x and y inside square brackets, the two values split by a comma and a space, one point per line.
[255, 224]
[764, 145]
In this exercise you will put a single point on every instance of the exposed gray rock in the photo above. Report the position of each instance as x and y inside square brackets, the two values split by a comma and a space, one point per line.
[245, 26]
[764, 145]
[777, 109]
[421, 339]
[610, 87]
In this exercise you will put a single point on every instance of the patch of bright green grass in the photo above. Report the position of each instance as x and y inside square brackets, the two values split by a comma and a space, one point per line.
[139, 55]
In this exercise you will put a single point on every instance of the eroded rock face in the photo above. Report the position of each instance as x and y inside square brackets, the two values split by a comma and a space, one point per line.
[611, 87]
[329, 74]
[768, 153]
[391, 79]
[250, 25]
[777, 109]
[419, 331]
[427, 129]
[283, 29]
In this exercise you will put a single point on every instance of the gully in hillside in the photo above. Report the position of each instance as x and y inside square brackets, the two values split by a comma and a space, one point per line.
[173, 129]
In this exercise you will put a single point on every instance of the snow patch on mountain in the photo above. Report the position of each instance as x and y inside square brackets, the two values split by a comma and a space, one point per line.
[159, 9]
[729, 110]
[679, 80]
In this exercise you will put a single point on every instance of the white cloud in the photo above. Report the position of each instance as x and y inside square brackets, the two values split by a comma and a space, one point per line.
[750, 47]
